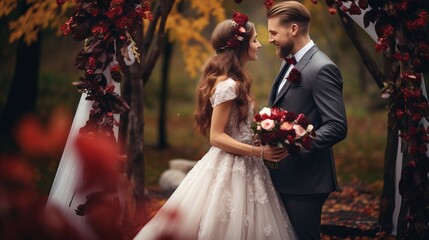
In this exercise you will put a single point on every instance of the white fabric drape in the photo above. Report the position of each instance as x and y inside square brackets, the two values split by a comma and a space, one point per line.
[64, 194]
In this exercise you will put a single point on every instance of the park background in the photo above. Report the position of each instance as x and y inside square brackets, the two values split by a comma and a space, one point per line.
[360, 155]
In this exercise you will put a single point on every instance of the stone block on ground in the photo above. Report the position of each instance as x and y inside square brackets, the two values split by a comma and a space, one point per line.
[184, 165]
[170, 180]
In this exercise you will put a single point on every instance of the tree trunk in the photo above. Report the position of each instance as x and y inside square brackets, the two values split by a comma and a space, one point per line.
[163, 97]
[22, 95]
[135, 134]
[126, 94]
[135, 129]
[150, 45]
[387, 200]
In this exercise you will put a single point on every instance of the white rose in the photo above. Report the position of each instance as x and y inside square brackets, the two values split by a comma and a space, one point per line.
[267, 124]
[265, 110]
[310, 128]
[300, 131]
[385, 95]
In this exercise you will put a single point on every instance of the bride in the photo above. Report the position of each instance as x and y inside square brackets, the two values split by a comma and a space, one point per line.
[228, 194]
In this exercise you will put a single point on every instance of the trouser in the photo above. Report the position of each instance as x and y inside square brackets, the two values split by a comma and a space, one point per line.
[305, 213]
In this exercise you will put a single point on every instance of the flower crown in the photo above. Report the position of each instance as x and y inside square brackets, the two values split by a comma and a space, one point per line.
[237, 31]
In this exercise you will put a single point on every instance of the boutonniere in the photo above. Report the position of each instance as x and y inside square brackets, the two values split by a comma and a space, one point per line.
[294, 76]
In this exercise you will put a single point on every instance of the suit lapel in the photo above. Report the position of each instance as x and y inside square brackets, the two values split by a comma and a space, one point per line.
[300, 67]
[274, 88]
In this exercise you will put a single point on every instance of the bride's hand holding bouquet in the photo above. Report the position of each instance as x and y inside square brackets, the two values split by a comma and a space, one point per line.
[278, 127]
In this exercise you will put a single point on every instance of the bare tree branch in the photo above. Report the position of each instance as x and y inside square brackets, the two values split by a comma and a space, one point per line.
[156, 13]
[368, 61]
[163, 11]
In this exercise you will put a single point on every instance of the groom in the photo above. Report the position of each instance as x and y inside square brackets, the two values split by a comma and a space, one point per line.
[314, 87]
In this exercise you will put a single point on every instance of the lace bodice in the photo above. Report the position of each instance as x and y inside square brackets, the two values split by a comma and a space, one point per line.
[225, 91]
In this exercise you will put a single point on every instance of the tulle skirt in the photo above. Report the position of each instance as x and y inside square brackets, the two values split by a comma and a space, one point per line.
[225, 196]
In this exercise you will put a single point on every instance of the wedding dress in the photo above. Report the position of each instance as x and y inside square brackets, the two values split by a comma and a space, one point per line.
[225, 196]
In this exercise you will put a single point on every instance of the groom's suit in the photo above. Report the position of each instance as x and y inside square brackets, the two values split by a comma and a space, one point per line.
[318, 95]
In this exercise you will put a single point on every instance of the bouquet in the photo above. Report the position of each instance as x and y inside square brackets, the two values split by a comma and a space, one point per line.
[278, 127]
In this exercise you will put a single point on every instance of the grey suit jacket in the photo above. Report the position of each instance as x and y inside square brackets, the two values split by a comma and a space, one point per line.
[319, 96]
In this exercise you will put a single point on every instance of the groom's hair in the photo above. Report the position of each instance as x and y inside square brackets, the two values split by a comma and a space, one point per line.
[291, 11]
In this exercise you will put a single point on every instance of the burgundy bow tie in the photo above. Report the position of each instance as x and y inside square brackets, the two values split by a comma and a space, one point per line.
[291, 60]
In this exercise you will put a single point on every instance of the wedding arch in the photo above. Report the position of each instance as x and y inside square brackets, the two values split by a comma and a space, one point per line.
[399, 29]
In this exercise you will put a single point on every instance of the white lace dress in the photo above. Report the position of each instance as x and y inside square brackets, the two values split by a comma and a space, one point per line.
[225, 196]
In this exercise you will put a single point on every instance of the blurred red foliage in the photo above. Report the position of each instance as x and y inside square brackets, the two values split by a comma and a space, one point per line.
[38, 140]
[110, 211]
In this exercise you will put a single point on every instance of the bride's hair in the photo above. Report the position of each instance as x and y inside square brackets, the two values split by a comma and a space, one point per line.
[226, 63]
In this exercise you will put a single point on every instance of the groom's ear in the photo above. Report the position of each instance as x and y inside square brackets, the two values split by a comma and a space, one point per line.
[295, 28]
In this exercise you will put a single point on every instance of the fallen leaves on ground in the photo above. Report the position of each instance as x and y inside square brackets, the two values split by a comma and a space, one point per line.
[352, 213]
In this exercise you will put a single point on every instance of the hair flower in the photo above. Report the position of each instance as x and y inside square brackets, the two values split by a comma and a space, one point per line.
[237, 31]
[240, 18]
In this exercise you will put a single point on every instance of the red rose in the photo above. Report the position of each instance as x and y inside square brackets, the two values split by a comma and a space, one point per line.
[277, 114]
[306, 141]
[332, 10]
[65, 28]
[60, 2]
[234, 42]
[363, 4]
[403, 6]
[117, 2]
[114, 68]
[269, 3]
[240, 18]
[94, 12]
[123, 22]
[92, 62]
[294, 75]
[388, 31]
[302, 120]
[100, 28]
[290, 116]
[354, 9]
[110, 88]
